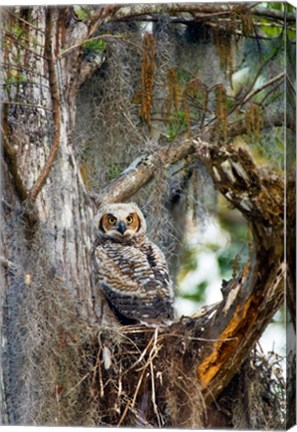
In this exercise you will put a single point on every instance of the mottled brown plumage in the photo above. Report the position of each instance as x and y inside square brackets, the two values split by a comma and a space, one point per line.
[130, 269]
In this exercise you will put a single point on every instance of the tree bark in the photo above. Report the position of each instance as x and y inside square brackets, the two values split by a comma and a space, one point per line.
[62, 225]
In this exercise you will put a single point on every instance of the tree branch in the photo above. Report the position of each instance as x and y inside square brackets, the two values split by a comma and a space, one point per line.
[85, 41]
[142, 170]
[251, 300]
[131, 12]
[137, 10]
[274, 14]
[36, 188]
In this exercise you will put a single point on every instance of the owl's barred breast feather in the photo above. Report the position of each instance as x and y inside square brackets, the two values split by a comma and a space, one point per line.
[135, 280]
[131, 271]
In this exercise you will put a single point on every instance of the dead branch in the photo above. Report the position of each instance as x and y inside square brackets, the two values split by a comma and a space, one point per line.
[251, 300]
[36, 188]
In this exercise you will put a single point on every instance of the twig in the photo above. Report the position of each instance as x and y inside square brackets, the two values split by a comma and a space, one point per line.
[153, 352]
[138, 387]
[143, 353]
[78, 383]
[274, 14]
[36, 188]
[98, 366]
[104, 14]
[266, 84]
[263, 65]
[124, 413]
[153, 397]
[81, 44]
[266, 96]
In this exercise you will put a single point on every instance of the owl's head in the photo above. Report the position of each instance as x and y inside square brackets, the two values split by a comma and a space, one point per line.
[120, 221]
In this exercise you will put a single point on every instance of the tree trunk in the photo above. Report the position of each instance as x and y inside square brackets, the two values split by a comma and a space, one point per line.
[48, 228]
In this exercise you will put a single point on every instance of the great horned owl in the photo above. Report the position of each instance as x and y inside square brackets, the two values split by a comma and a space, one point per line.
[131, 270]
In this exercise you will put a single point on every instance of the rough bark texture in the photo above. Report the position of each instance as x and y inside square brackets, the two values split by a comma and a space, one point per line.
[61, 231]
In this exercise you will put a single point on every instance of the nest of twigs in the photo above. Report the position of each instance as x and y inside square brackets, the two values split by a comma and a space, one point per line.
[146, 377]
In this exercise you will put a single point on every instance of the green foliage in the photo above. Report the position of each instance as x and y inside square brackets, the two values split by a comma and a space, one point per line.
[270, 30]
[280, 6]
[198, 295]
[177, 125]
[189, 264]
[16, 29]
[113, 171]
[232, 259]
[269, 148]
[82, 12]
[15, 77]
[183, 76]
[189, 261]
[95, 45]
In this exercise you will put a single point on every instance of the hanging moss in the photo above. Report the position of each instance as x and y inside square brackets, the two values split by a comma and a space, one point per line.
[173, 91]
[221, 112]
[223, 41]
[254, 122]
[147, 76]
[243, 13]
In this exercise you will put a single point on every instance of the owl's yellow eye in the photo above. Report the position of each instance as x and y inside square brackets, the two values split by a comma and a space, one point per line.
[112, 220]
[130, 220]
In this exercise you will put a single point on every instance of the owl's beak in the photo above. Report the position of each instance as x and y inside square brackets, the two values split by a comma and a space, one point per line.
[122, 227]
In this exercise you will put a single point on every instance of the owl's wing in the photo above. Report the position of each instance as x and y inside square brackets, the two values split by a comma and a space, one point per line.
[135, 281]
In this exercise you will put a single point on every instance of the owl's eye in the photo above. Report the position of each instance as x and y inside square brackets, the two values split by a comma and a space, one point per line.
[112, 220]
[130, 220]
